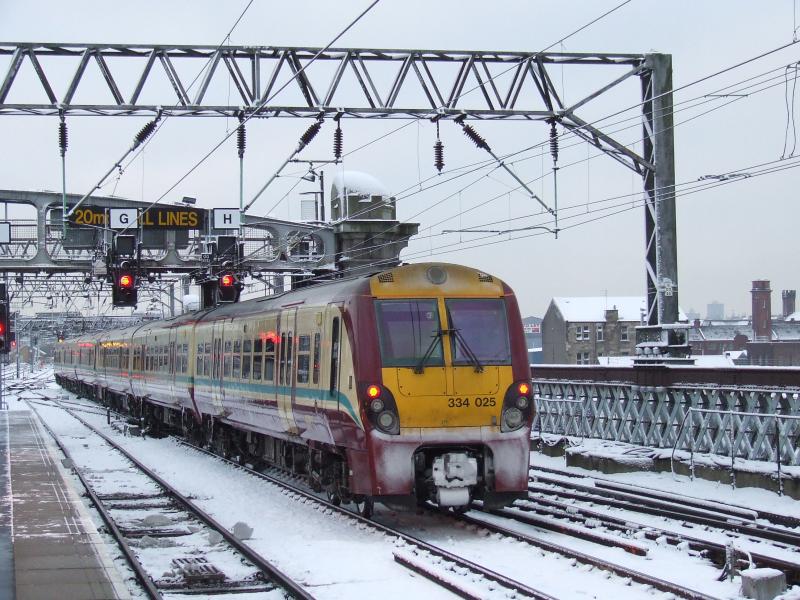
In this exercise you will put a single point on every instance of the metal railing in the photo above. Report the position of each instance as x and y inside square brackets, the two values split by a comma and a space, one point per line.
[731, 414]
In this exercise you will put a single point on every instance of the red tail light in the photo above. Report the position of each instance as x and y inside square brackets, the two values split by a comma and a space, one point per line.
[373, 391]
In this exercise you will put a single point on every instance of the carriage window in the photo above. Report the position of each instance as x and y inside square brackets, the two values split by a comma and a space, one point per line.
[289, 358]
[228, 346]
[316, 358]
[246, 358]
[409, 332]
[470, 320]
[237, 366]
[237, 346]
[303, 358]
[334, 382]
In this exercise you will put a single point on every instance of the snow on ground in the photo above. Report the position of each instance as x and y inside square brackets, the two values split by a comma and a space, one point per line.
[754, 498]
[336, 559]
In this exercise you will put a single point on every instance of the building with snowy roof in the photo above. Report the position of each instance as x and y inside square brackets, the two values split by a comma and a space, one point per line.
[578, 330]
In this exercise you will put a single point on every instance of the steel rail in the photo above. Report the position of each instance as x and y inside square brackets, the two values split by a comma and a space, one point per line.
[290, 586]
[498, 578]
[735, 509]
[142, 576]
[700, 515]
[715, 550]
[637, 576]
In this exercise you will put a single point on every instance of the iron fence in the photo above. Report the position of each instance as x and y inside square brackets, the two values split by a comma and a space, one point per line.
[755, 422]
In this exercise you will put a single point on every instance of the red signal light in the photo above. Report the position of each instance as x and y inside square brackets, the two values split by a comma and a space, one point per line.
[2, 328]
[126, 281]
[227, 280]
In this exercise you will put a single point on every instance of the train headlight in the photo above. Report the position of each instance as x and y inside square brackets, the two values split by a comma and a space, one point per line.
[386, 421]
[512, 418]
[376, 405]
[522, 403]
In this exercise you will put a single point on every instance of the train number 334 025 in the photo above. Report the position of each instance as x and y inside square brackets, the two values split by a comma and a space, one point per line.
[477, 401]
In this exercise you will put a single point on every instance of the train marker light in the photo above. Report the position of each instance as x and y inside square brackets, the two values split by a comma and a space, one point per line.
[376, 405]
[373, 391]
[523, 388]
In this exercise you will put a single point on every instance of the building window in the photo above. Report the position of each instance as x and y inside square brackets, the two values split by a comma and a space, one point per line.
[582, 332]
[623, 333]
[582, 358]
[599, 332]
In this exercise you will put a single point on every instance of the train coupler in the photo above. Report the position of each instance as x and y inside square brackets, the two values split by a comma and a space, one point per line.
[454, 474]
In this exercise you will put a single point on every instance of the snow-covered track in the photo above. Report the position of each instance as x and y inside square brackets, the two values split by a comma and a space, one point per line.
[457, 574]
[687, 501]
[587, 559]
[192, 573]
[737, 520]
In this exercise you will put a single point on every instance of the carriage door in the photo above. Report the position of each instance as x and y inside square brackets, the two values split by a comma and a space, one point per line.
[286, 371]
[216, 365]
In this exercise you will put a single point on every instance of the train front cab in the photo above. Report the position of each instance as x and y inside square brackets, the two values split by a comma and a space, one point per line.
[451, 404]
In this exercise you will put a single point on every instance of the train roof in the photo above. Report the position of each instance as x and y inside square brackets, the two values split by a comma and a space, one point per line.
[334, 291]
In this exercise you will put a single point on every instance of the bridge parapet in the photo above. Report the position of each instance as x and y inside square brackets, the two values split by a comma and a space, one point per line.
[753, 411]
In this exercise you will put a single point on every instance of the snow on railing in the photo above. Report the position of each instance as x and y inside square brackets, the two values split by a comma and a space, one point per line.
[752, 422]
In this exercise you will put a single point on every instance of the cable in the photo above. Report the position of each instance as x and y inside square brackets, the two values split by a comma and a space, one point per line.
[261, 105]
[141, 146]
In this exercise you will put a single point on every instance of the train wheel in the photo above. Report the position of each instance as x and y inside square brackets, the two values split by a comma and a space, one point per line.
[334, 498]
[365, 506]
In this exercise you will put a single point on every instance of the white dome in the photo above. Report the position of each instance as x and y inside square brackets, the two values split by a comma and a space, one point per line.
[356, 182]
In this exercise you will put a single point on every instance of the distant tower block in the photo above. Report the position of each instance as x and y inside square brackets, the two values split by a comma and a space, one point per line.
[715, 311]
[762, 310]
[789, 305]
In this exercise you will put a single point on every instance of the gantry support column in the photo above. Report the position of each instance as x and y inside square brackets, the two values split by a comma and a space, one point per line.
[660, 230]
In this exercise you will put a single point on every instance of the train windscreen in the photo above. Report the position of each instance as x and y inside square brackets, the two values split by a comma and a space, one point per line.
[409, 332]
[480, 331]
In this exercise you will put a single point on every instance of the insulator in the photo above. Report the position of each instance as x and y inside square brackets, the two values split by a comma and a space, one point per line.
[310, 134]
[337, 142]
[62, 137]
[475, 137]
[553, 141]
[438, 155]
[145, 132]
[241, 139]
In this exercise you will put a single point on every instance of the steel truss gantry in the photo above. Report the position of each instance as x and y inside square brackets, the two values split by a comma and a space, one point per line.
[429, 84]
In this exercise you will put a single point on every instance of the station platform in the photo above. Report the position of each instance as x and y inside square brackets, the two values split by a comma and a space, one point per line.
[49, 547]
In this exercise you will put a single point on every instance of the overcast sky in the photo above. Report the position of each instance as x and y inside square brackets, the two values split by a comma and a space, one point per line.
[727, 236]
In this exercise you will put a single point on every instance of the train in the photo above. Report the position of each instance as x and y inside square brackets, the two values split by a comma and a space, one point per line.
[405, 386]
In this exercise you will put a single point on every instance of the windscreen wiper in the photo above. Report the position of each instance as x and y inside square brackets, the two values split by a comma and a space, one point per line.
[420, 368]
[473, 358]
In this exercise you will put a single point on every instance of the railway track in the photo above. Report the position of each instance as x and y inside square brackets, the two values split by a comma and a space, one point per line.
[469, 580]
[560, 501]
[155, 521]
[616, 569]
[460, 576]
[688, 506]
